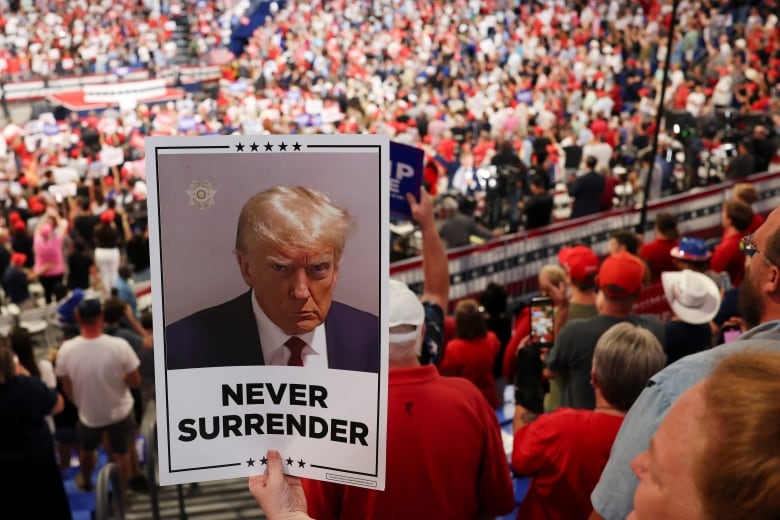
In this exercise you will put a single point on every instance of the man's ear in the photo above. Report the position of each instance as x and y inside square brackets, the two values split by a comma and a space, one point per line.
[594, 381]
[243, 266]
[773, 280]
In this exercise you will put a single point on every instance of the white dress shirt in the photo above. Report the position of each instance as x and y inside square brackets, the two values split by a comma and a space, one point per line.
[273, 339]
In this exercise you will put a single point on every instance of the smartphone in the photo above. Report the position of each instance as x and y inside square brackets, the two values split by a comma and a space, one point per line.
[724, 281]
[731, 333]
[542, 322]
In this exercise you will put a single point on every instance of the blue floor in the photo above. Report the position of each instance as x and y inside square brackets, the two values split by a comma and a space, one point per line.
[505, 414]
[82, 503]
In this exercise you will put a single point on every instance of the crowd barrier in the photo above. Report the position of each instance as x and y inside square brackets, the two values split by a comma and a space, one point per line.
[26, 91]
[515, 260]
[116, 92]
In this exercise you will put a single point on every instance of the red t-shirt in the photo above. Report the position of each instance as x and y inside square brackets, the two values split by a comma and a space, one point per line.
[755, 223]
[564, 452]
[445, 457]
[522, 329]
[656, 254]
[473, 359]
[727, 257]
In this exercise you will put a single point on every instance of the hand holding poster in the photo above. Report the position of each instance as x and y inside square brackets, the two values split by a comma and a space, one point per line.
[269, 275]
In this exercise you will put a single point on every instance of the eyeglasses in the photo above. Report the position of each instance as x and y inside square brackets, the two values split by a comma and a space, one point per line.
[749, 249]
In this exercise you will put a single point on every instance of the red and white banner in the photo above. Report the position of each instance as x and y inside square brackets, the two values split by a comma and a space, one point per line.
[515, 260]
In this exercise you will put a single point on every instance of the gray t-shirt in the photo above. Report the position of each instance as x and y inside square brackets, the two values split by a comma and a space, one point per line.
[572, 354]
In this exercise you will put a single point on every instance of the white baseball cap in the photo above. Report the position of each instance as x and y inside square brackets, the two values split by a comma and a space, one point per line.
[405, 309]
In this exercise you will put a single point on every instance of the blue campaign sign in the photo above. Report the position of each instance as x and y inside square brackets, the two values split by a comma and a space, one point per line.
[406, 174]
[524, 96]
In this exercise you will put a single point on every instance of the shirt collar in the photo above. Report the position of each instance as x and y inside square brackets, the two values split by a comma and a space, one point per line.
[272, 338]
[411, 376]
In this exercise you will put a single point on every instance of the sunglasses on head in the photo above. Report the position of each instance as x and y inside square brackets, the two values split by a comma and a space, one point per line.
[749, 249]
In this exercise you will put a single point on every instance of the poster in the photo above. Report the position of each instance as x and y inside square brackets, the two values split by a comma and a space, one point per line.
[406, 175]
[242, 231]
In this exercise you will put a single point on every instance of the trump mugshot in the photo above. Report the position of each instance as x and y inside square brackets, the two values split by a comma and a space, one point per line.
[289, 245]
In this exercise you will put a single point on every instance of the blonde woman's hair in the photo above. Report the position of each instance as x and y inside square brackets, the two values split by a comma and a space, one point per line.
[745, 192]
[737, 468]
[555, 273]
[626, 356]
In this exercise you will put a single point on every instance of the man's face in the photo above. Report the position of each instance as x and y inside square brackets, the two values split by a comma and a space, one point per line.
[666, 470]
[294, 290]
[757, 269]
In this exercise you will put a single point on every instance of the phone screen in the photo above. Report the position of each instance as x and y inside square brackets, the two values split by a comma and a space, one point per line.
[542, 322]
[731, 335]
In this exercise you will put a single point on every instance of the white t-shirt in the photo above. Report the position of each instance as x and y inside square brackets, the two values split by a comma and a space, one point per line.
[96, 368]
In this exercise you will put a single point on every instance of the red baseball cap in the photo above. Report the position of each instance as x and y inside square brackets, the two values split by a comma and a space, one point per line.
[107, 216]
[621, 275]
[18, 259]
[580, 262]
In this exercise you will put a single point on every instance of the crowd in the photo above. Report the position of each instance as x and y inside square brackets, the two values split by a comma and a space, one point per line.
[546, 94]
[51, 38]
[509, 101]
[592, 456]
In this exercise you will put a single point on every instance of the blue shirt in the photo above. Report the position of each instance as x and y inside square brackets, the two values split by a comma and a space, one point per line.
[126, 294]
[613, 496]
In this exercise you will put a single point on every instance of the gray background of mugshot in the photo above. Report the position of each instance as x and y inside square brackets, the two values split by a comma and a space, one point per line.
[198, 265]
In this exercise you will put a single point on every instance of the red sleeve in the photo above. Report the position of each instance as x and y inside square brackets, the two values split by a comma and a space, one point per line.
[451, 361]
[496, 493]
[323, 498]
[495, 344]
[522, 329]
[532, 444]
[719, 260]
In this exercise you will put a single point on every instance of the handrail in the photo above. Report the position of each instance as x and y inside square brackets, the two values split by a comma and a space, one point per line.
[150, 467]
[109, 505]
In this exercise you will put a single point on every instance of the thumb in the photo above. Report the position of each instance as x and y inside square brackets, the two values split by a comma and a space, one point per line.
[275, 466]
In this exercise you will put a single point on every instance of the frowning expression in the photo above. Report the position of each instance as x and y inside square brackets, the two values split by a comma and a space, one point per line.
[294, 289]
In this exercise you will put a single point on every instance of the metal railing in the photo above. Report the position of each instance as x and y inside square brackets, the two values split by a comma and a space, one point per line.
[150, 468]
[109, 502]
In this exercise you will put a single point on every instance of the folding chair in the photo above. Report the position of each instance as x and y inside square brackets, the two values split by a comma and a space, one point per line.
[36, 323]
[7, 324]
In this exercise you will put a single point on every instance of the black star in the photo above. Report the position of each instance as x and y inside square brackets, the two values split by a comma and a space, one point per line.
[301, 463]
[250, 462]
[269, 147]
[253, 146]
[282, 147]
[289, 461]
[297, 147]
[264, 461]
[240, 147]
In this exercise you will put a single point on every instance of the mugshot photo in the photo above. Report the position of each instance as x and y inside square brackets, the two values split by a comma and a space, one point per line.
[270, 258]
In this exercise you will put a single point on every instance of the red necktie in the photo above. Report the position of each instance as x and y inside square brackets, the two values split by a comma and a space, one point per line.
[295, 344]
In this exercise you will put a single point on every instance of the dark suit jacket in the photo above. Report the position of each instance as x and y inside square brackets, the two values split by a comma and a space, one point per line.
[226, 335]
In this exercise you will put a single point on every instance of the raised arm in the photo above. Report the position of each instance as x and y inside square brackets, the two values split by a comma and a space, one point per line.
[436, 274]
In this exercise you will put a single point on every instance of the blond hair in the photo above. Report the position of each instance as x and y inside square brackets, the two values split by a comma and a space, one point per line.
[555, 273]
[292, 218]
[626, 356]
[737, 469]
[745, 192]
